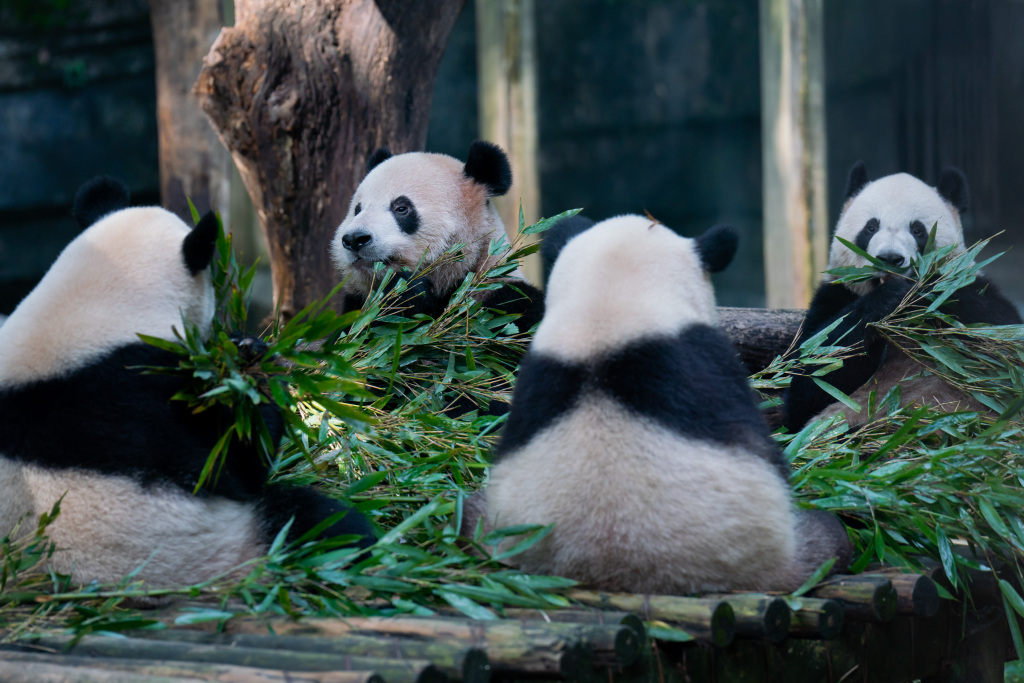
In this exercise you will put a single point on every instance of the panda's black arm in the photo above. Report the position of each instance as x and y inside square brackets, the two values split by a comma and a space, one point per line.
[277, 504]
[981, 302]
[521, 298]
[804, 398]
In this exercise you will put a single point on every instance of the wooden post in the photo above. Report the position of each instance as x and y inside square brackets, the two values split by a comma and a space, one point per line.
[796, 230]
[193, 163]
[507, 77]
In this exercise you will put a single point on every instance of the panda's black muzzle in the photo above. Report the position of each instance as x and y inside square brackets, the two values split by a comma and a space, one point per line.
[356, 240]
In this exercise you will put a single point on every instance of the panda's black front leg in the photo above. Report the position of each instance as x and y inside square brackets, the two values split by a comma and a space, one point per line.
[804, 398]
[308, 508]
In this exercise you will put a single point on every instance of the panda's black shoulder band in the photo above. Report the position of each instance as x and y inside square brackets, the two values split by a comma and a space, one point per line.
[487, 164]
[98, 197]
[197, 249]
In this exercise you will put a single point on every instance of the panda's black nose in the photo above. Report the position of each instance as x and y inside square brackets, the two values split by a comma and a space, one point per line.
[892, 258]
[356, 240]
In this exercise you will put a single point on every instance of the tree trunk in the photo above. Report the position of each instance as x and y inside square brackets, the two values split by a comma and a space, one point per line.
[192, 162]
[301, 94]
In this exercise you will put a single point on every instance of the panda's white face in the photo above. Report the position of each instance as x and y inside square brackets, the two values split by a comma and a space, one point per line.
[408, 211]
[890, 219]
[123, 276]
[623, 279]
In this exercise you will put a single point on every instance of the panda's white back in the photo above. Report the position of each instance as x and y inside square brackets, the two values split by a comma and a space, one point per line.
[681, 498]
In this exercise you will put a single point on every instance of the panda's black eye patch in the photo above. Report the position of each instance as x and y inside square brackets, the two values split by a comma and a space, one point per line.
[359, 207]
[920, 234]
[866, 233]
[405, 214]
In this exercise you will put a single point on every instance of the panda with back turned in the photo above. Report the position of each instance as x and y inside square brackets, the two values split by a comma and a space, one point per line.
[79, 418]
[410, 209]
[635, 432]
[890, 219]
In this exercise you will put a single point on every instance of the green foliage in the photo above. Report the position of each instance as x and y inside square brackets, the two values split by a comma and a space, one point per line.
[915, 483]
[364, 395]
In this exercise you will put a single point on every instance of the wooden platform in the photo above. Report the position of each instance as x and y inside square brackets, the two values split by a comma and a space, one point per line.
[876, 628]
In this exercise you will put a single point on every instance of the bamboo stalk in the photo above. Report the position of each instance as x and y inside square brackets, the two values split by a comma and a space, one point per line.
[456, 660]
[759, 615]
[916, 594]
[212, 673]
[710, 620]
[865, 596]
[817, 618]
[393, 670]
[577, 616]
[33, 672]
[534, 648]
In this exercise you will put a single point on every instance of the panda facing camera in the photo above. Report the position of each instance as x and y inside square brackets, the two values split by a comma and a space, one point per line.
[81, 422]
[890, 219]
[635, 432]
[410, 210]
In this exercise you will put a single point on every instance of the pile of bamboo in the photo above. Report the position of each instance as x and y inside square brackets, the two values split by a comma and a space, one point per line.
[606, 635]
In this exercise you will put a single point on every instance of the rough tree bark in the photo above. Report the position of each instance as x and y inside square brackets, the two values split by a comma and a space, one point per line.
[301, 93]
[193, 163]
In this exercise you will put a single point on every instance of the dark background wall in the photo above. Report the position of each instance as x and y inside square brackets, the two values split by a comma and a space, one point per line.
[644, 106]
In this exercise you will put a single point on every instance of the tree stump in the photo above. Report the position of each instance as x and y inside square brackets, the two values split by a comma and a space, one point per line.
[301, 94]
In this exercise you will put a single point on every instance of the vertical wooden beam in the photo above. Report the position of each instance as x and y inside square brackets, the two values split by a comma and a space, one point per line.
[796, 231]
[507, 78]
[193, 163]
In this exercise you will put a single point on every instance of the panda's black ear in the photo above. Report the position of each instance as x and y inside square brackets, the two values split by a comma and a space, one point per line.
[857, 179]
[717, 247]
[197, 249]
[98, 197]
[487, 164]
[953, 188]
[382, 154]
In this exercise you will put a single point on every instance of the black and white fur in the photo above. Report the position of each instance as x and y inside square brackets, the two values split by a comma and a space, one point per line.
[889, 218]
[410, 209]
[634, 431]
[79, 419]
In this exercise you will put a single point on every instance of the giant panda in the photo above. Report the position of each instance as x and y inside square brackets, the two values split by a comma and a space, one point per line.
[890, 219]
[82, 423]
[634, 431]
[410, 209]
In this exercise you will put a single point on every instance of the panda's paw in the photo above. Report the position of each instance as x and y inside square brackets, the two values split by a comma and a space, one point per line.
[250, 349]
[417, 297]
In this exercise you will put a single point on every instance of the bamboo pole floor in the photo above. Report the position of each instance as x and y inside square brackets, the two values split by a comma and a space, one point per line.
[879, 627]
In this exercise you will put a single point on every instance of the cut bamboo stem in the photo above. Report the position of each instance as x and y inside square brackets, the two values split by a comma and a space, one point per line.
[712, 620]
[392, 670]
[817, 618]
[866, 596]
[458, 661]
[576, 616]
[759, 615]
[916, 594]
[213, 673]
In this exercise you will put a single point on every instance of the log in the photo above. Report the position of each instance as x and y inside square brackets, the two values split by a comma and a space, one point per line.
[457, 661]
[391, 669]
[301, 93]
[760, 334]
[817, 618]
[710, 620]
[758, 615]
[213, 673]
[864, 596]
